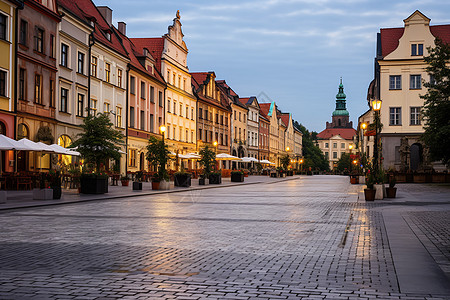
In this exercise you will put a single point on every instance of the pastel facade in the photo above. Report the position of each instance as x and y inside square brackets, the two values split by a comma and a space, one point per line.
[400, 71]
[270, 110]
[36, 76]
[8, 21]
[264, 135]
[252, 125]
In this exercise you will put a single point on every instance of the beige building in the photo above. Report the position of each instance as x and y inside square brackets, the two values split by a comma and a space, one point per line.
[270, 110]
[400, 72]
[170, 53]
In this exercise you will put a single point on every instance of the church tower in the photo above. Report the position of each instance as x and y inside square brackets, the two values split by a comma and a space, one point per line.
[340, 118]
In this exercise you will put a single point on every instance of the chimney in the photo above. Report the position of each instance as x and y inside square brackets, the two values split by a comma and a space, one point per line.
[122, 27]
[106, 13]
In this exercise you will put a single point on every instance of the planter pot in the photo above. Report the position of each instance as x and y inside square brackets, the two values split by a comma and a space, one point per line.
[290, 173]
[56, 192]
[94, 185]
[391, 192]
[125, 182]
[379, 191]
[202, 181]
[155, 185]
[236, 177]
[361, 179]
[164, 185]
[183, 180]
[369, 194]
[43, 194]
[215, 179]
[137, 186]
[438, 178]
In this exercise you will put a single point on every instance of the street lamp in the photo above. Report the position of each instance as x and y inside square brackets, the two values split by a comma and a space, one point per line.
[363, 126]
[376, 106]
[215, 150]
[301, 165]
[162, 129]
[287, 149]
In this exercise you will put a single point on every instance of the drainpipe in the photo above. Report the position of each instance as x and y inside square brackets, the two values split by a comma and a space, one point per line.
[16, 47]
[126, 121]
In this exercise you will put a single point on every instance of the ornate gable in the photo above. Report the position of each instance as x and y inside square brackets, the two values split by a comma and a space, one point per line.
[175, 33]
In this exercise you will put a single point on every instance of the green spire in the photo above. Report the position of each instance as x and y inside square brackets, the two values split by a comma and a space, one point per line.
[341, 109]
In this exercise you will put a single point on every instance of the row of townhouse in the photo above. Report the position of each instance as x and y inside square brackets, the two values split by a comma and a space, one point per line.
[66, 60]
[400, 71]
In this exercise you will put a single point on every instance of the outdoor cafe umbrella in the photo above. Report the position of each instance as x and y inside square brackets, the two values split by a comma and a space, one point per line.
[65, 151]
[7, 144]
[225, 156]
[265, 161]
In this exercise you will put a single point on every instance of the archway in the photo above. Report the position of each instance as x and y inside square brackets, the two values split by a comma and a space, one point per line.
[22, 156]
[416, 151]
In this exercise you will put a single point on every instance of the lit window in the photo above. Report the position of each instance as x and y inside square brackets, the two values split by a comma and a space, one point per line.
[39, 40]
[80, 105]
[94, 106]
[119, 77]
[119, 116]
[108, 72]
[38, 89]
[94, 66]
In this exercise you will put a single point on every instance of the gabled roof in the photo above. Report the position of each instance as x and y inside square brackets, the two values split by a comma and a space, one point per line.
[264, 109]
[345, 133]
[285, 118]
[86, 11]
[199, 78]
[154, 45]
[226, 86]
[134, 53]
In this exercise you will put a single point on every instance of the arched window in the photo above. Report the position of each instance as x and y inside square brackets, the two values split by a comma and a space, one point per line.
[22, 131]
[65, 141]
[2, 128]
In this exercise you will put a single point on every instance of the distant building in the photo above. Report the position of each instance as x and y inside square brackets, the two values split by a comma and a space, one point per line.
[399, 76]
[336, 139]
[252, 125]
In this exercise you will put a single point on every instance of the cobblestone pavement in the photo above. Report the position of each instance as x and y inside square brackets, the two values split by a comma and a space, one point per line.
[308, 238]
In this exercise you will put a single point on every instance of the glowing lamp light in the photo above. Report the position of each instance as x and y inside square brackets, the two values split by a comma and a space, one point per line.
[287, 148]
[363, 125]
[350, 147]
[162, 128]
[376, 104]
[215, 143]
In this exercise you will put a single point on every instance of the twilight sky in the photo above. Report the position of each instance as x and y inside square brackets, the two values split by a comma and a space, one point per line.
[293, 51]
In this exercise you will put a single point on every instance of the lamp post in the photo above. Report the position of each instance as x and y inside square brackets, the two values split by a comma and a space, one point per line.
[376, 106]
[162, 130]
[350, 147]
[363, 126]
[215, 151]
[301, 165]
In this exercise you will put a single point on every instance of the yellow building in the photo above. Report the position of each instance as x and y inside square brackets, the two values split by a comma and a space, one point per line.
[269, 109]
[170, 53]
[400, 73]
[7, 75]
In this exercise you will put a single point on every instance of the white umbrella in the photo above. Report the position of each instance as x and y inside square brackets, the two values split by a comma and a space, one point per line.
[225, 156]
[264, 161]
[249, 159]
[32, 146]
[7, 143]
[65, 151]
[193, 156]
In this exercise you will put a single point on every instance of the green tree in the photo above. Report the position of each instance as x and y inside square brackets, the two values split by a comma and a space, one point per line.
[313, 156]
[158, 155]
[436, 110]
[99, 140]
[207, 159]
[285, 160]
[344, 163]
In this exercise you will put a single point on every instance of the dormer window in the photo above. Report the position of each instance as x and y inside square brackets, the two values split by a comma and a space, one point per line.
[108, 36]
[416, 49]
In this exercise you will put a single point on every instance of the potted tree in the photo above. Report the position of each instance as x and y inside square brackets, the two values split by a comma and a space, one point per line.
[215, 178]
[137, 182]
[182, 178]
[391, 191]
[369, 192]
[379, 184]
[98, 142]
[158, 156]
[43, 192]
[285, 160]
[125, 180]
[237, 176]
[55, 183]
[206, 161]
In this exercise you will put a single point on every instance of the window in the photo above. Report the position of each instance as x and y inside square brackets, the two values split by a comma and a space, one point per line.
[184, 84]
[226, 139]
[200, 113]
[415, 82]
[3, 83]
[64, 95]
[108, 72]
[142, 90]
[342, 145]
[152, 94]
[23, 35]
[334, 154]
[168, 105]
[326, 145]
[192, 137]
[235, 115]
[22, 84]
[395, 116]
[3, 27]
[221, 120]
[200, 134]
[131, 117]
[52, 45]
[52, 93]
[80, 105]
[415, 116]
[326, 155]
[80, 63]
[173, 83]
[142, 120]
[94, 106]
[160, 96]
[106, 107]
[119, 77]
[64, 55]
[192, 114]
[181, 135]
[187, 112]
[174, 107]
[119, 116]
[159, 122]
[416, 49]
[39, 40]
[181, 109]
[239, 116]
[132, 85]
[94, 66]
[152, 120]
[217, 118]
[132, 162]
[395, 82]
[38, 89]
[206, 115]
[168, 131]
[334, 145]
[217, 137]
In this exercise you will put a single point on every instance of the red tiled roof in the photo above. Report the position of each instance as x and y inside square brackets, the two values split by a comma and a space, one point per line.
[199, 77]
[133, 53]
[87, 12]
[244, 100]
[391, 36]
[154, 45]
[345, 133]
[224, 84]
[264, 109]
[285, 119]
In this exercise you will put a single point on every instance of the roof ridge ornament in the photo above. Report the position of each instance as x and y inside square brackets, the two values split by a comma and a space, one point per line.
[178, 14]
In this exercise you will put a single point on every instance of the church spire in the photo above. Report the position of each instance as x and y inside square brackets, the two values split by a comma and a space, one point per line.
[341, 109]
